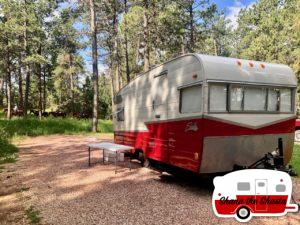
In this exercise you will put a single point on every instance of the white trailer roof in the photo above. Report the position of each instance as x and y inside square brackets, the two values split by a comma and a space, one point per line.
[248, 71]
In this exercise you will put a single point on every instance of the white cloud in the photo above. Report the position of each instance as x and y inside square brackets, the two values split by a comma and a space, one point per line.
[233, 12]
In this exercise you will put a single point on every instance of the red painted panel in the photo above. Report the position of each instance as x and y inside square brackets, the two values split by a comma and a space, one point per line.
[180, 143]
[297, 124]
[273, 203]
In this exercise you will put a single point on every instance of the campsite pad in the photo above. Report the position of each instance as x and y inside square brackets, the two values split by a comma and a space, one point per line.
[53, 176]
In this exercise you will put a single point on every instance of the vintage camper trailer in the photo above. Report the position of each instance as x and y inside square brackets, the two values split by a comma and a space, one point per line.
[206, 113]
[242, 194]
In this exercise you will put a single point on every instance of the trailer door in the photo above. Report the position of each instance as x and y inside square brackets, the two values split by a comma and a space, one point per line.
[185, 134]
[158, 127]
[261, 186]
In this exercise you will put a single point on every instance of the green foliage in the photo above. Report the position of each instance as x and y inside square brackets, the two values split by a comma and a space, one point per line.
[34, 127]
[33, 215]
[295, 162]
[7, 150]
[267, 32]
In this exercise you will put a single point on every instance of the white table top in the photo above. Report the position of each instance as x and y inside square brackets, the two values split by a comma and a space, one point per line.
[110, 146]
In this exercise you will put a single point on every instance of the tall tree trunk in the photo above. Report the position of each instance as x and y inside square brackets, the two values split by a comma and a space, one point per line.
[95, 65]
[191, 26]
[27, 69]
[126, 45]
[8, 82]
[215, 47]
[112, 90]
[44, 89]
[39, 75]
[20, 81]
[71, 85]
[183, 51]
[1, 91]
[146, 37]
[117, 60]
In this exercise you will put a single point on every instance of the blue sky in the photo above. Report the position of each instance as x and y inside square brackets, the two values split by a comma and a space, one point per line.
[231, 9]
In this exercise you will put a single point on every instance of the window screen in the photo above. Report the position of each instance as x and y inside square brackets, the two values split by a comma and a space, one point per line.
[273, 99]
[236, 98]
[217, 97]
[191, 99]
[255, 98]
[285, 100]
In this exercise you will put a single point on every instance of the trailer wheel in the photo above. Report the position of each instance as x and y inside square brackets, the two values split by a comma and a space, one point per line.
[243, 213]
[297, 135]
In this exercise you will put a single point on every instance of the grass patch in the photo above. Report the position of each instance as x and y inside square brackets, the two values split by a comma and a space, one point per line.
[35, 127]
[295, 162]
[7, 150]
[33, 215]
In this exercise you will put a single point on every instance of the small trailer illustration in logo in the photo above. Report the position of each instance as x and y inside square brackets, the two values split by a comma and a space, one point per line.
[254, 192]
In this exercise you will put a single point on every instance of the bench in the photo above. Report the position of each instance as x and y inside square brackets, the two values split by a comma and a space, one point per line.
[110, 147]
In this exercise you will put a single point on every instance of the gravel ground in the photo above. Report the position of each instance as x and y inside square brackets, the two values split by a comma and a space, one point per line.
[66, 191]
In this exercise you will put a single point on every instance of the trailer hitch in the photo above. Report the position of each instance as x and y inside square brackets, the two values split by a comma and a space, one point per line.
[271, 161]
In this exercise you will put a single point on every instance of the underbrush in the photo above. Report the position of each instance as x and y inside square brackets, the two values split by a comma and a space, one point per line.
[32, 126]
[7, 150]
[295, 162]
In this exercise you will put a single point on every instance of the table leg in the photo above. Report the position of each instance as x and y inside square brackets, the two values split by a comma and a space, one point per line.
[130, 162]
[89, 156]
[116, 157]
[103, 156]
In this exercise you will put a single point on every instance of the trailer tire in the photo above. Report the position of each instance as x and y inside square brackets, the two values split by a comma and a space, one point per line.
[243, 213]
[297, 135]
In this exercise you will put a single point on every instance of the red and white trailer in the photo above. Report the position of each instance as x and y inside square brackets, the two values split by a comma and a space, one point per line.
[256, 192]
[206, 113]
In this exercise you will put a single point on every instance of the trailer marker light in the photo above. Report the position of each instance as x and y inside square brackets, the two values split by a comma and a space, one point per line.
[251, 64]
[281, 180]
[219, 194]
[239, 62]
[195, 76]
[262, 66]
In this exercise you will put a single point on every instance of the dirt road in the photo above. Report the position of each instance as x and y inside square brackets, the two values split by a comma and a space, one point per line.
[53, 177]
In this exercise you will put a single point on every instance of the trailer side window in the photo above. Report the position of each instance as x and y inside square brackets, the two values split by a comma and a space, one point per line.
[236, 98]
[218, 97]
[273, 99]
[191, 99]
[285, 100]
[120, 114]
[280, 188]
[255, 98]
[243, 186]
